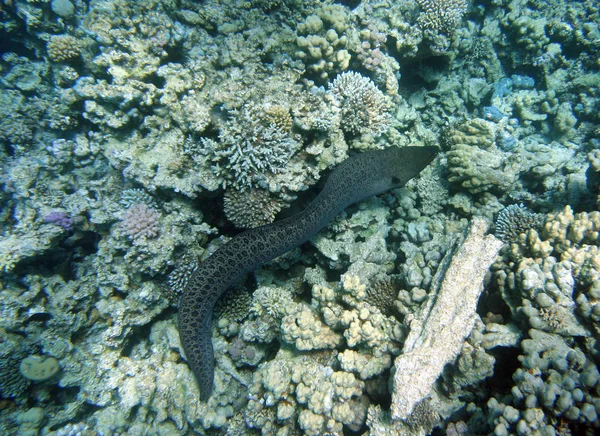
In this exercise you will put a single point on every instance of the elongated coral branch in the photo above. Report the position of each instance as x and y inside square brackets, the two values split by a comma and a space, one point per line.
[437, 336]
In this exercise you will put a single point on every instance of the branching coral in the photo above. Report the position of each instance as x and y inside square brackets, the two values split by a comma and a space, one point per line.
[141, 222]
[364, 108]
[62, 48]
[514, 220]
[252, 145]
[442, 15]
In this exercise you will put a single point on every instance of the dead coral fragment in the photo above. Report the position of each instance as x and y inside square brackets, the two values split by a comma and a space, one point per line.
[438, 334]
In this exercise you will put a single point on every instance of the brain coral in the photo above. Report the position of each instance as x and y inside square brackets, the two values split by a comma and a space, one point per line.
[364, 108]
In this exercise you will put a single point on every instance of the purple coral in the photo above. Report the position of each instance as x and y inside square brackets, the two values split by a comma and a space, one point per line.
[59, 218]
[141, 221]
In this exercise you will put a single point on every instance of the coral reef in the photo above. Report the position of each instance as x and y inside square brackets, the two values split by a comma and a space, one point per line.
[136, 138]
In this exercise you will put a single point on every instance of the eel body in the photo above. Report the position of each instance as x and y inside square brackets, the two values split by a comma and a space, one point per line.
[358, 177]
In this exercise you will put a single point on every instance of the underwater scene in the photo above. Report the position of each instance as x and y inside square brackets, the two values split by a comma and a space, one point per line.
[299, 217]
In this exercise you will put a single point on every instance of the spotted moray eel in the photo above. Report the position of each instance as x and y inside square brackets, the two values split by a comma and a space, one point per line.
[358, 177]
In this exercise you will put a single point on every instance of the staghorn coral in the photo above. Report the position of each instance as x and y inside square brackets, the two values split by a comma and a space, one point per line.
[252, 147]
[131, 197]
[442, 15]
[382, 294]
[12, 352]
[363, 107]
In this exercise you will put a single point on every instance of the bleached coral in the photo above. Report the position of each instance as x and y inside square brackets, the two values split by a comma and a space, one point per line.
[364, 108]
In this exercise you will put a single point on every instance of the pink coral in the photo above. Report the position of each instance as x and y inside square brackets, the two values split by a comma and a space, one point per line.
[141, 221]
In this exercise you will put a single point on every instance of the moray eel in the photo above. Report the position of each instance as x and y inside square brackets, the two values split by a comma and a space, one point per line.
[358, 177]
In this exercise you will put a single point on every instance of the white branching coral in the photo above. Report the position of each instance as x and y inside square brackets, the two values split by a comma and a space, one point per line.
[252, 144]
[364, 108]
[442, 15]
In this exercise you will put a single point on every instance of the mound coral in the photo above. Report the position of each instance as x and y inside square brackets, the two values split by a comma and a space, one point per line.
[253, 208]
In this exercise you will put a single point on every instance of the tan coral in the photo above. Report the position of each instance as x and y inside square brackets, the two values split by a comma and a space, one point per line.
[477, 132]
[565, 229]
[62, 48]
[322, 41]
[475, 163]
[306, 331]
